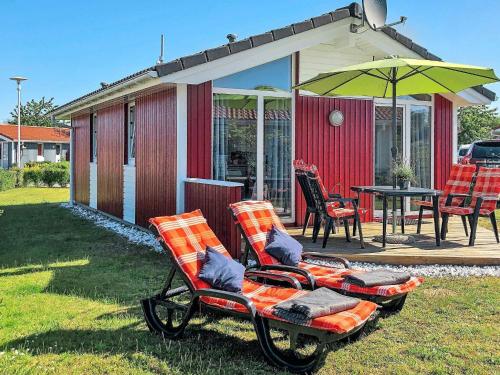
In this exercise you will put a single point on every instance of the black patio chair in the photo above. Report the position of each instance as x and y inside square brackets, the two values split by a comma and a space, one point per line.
[333, 210]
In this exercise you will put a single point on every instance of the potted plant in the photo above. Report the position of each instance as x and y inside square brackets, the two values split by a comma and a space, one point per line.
[404, 174]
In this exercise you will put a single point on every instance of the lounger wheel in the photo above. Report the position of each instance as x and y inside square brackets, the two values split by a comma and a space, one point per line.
[166, 319]
[395, 305]
[289, 359]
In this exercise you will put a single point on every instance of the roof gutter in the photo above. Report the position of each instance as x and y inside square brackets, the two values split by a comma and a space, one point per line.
[121, 88]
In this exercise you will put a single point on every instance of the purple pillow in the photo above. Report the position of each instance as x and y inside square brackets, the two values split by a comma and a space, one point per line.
[222, 272]
[284, 247]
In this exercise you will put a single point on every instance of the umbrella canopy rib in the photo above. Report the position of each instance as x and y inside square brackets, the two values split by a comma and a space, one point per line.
[438, 83]
[466, 72]
[413, 72]
[342, 84]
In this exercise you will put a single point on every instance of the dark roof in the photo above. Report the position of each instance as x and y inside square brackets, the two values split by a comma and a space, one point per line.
[199, 58]
[186, 62]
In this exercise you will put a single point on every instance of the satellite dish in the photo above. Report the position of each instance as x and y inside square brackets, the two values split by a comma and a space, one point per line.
[375, 13]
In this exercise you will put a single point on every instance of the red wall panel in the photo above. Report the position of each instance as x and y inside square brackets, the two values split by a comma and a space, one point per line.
[110, 149]
[156, 160]
[343, 155]
[443, 140]
[80, 153]
[213, 201]
[199, 124]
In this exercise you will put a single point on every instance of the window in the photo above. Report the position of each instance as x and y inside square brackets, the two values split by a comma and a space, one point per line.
[93, 138]
[58, 150]
[273, 76]
[252, 145]
[40, 149]
[131, 134]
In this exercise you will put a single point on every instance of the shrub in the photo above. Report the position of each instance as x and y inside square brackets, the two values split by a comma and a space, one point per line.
[7, 180]
[49, 176]
[32, 175]
[63, 177]
[52, 175]
[19, 173]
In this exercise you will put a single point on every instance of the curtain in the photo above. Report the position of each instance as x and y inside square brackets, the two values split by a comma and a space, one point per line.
[277, 153]
[421, 144]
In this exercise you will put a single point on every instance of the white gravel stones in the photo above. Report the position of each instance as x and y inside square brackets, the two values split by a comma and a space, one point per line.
[131, 233]
[434, 270]
[141, 237]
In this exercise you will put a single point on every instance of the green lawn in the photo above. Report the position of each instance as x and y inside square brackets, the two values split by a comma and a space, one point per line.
[69, 303]
[486, 222]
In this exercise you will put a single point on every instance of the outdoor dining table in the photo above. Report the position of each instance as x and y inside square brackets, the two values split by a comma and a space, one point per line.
[386, 192]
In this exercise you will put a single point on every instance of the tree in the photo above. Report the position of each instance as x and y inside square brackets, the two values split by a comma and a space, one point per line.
[35, 112]
[476, 123]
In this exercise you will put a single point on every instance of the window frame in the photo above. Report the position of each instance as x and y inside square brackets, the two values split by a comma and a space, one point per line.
[261, 95]
[93, 135]
[130, 159]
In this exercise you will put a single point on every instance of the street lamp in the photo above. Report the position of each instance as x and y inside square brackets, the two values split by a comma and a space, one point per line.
[18, 80]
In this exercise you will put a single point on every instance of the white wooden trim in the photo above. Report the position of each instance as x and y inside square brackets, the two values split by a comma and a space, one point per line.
[71, 169]
[181, 145]
[93, 186]
[276, 94]
[142, 82]
[454, 133]
[213, 182]
[292, 219]
[129, 193]
[260, 147]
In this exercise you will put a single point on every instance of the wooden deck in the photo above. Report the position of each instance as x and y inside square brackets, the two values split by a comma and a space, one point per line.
[454, 250]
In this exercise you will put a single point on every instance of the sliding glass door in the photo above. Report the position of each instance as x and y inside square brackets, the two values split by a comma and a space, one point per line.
[234, 144]
[252, 144]
[278, 153]
[414, 141]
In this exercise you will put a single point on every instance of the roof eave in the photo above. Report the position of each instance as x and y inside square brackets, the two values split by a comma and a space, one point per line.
[120, 88]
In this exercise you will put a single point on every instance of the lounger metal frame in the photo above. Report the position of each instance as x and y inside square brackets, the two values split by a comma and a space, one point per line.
[389, 304]
[288, 360]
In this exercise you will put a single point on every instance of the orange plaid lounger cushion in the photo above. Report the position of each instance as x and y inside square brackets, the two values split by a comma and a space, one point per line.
[187, 236]
[266, 297]
[256, 219]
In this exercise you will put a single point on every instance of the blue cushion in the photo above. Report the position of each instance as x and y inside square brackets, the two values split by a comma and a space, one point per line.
[284, 247]
[222, 272]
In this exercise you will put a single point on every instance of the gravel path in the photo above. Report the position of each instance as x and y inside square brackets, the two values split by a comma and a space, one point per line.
[141, 237]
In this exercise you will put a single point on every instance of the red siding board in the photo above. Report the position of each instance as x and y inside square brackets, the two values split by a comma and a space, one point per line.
[213, 201]
[156, 160]
[110, 151]
[80, 150]
[199, 130]
[443, 140]
[343, 154]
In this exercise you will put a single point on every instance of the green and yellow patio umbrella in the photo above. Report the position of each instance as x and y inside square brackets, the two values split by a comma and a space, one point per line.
[394, 76]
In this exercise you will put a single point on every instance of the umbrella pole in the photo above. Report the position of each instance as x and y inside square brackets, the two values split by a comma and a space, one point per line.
[394, 149]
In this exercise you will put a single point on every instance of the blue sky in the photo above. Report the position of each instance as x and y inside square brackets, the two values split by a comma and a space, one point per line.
[67, 48]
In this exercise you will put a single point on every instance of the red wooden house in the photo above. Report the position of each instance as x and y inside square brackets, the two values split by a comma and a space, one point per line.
[229, 118]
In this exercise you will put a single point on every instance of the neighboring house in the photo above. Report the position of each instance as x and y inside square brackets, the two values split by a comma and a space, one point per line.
[230, 113]
[38, 143]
